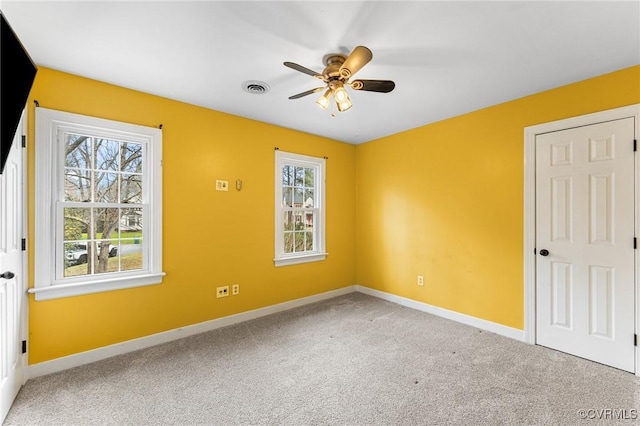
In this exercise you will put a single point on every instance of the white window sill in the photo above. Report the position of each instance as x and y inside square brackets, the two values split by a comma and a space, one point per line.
[57, 291]
[293, 260]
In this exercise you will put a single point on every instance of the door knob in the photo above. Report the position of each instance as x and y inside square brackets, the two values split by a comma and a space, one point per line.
[544, 252]
[7, 275]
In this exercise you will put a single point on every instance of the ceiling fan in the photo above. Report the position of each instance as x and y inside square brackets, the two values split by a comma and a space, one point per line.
[338, 70]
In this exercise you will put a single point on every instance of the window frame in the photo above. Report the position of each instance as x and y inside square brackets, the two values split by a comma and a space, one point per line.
[49, 188]
[283, 158]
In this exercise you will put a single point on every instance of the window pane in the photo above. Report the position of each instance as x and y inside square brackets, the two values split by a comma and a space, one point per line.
[308, 236]
[308, 220]
[298, 197]
[77, 185]
[131, 257]
[131, 157]
[287, 197]
[77, 259]
[107, 154]
[308, 198]
[288, 242]
[130, 223]
[106, 187]
[298, 241]
[309, 178]
[131, 190]
[299, 220]
[76, 223]
[104, 257]
[299, 176]
[108, 247]
[288, 221]
[287, 175]
[77, 150]
[106, 223]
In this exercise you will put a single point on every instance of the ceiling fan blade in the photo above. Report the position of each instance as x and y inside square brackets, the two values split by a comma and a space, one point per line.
[303, 69]
[308, 92]
[358, 58]
[381, 86]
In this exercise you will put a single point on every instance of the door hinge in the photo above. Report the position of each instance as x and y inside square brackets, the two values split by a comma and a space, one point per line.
[635, 340]
[635, 243]
[534, 250]
[24, 141]
[24, 346]
[24, 244]
[635, 145]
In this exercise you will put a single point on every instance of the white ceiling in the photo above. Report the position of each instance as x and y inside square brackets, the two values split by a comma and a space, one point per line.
[446, 57]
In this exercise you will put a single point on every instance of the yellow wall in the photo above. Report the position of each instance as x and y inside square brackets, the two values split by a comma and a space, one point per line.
[210, 238]
[446, 200]
[443, 201]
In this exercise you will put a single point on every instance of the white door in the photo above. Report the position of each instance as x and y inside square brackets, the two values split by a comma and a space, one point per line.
[12, 283]
[585, 231]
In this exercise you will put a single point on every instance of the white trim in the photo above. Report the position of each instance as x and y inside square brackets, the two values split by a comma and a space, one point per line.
[24, 321]
[315, 257]
[48, 228]
[94, 355]
[95, 286]
[319, 165]
[530, 204]
[480, 323]
[529, 237]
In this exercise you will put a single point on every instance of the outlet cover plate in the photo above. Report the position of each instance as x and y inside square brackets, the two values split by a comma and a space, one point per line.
[222, 291]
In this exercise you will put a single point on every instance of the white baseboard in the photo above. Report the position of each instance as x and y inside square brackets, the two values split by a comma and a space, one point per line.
[94, 355]
[482, 324]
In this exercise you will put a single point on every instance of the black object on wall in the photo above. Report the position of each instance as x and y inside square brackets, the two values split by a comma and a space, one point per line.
[17, 72]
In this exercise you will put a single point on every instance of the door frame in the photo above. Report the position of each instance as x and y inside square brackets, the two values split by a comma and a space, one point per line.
[23, 326]
[530, 134]
[24, 322]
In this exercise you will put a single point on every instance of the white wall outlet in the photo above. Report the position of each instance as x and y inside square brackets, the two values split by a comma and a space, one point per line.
[222, 291]
[235, 289]
[420, 280]
[222, 185]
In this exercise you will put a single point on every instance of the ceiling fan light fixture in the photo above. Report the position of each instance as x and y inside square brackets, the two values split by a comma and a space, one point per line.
[342, 97]
[339, 91]
[338, 69]
[323, 101]
[344, 105]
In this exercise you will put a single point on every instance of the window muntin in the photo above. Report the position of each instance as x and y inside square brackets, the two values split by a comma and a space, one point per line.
[299, 208]
[98, 209]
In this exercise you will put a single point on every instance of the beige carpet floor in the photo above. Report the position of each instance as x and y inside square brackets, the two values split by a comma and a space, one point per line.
[351, 360]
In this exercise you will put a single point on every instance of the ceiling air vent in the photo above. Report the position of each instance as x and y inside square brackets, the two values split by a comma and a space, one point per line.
[255, 87]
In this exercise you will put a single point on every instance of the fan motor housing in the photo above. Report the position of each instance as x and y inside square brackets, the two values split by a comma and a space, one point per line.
[333, 62]
[339, 68]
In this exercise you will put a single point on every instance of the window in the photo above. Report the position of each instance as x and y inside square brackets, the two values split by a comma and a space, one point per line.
[98, 205]
[300, 209]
